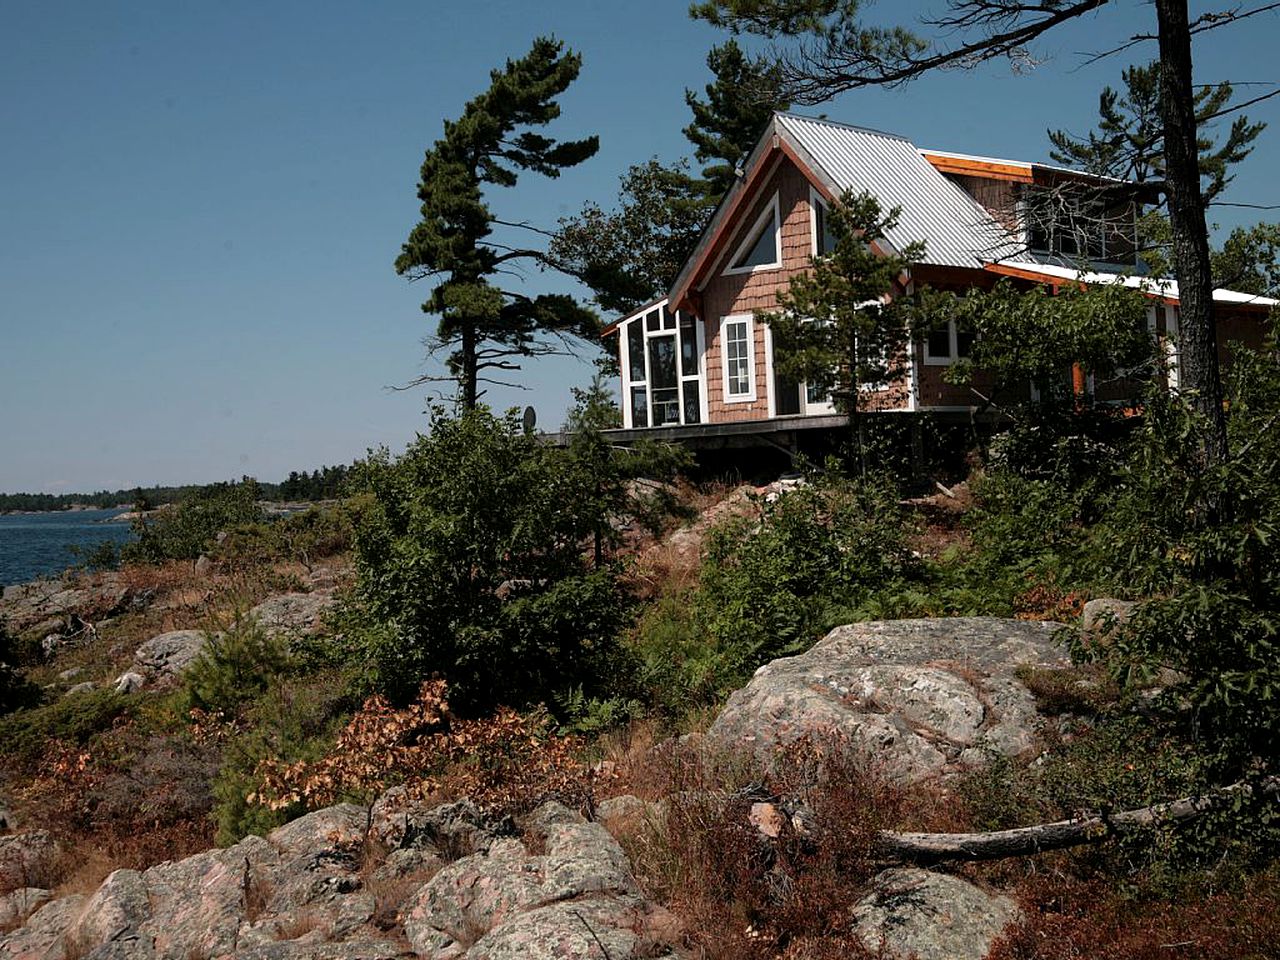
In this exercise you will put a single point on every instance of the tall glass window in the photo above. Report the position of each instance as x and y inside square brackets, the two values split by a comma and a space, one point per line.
[737, 349]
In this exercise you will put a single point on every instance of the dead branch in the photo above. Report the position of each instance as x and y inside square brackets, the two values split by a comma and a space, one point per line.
[926, 848]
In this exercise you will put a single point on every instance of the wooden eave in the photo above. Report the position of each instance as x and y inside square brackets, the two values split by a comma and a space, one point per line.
[987, 169]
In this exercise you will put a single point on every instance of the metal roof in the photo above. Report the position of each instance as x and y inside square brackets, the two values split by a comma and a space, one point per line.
[957, 231]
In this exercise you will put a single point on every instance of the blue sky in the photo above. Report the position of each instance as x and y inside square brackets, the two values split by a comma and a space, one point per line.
[200, 204]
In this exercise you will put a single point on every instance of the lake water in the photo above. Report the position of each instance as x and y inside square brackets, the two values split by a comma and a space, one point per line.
[36, 545]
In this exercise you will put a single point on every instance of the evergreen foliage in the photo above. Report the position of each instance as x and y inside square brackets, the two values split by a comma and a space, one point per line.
[16, 690]
[237, 666]
[483, 325]
[844, 324]
[1128, 142]
[631, 255]
[473, 555]
[739, 104]
[1204, 546]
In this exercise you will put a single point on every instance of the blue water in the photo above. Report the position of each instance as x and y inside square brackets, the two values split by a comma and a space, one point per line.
[36, 545]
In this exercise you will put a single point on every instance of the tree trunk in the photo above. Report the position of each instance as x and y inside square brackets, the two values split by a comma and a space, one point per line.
[469, 371]
[1198, 345]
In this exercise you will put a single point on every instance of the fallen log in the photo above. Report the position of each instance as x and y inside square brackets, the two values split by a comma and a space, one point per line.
[927, 848]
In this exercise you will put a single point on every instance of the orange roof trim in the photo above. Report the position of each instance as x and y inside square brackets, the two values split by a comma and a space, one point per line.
[989, 169]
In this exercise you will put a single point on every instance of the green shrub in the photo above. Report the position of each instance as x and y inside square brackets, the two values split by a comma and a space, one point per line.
[187, 529]
[770, 585]
[305, 537]
[473, 557]
[1202, 542]
[16, 690]
[235, 667]
[294, 720]
[75, 719]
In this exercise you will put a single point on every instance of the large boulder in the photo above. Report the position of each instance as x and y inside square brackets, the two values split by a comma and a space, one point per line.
[26, 860]
[170, 655]
[921, 915]
[293, 613]
[573, 900]
[921, 697]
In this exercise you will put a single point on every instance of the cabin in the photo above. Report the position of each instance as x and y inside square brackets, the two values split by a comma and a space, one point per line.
[698, 364]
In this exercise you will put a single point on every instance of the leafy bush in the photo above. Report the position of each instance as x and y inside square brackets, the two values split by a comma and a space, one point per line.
[304, 537]
[1203, 543]
[188, 529]
[771, 584]
[472, 557]
[235, 667]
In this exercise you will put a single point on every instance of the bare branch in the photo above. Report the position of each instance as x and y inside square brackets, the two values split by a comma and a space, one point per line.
[818, 70]
[1025, 841]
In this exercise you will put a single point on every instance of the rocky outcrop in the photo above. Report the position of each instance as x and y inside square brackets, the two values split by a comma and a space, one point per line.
[17, 906]
[170, 655]
[293, 613]
[931, 916]
[306, 891]
[921, 697]
[578, 899]
[26, 859]
[48, 603]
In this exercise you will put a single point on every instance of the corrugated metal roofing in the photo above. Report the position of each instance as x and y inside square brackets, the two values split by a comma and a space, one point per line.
[957, 231]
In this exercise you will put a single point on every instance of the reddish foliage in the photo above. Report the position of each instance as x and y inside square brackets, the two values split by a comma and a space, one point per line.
[1048, 601]
[1078, 920]
[506, 761]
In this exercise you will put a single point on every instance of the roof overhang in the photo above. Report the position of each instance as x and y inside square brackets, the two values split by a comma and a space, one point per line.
[1157, 288]
[1042, 174]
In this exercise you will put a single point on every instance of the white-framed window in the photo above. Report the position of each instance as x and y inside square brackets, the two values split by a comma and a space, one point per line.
[761, 248]
[822, 240]
[737, 358]
[661, 353]
[947, 345]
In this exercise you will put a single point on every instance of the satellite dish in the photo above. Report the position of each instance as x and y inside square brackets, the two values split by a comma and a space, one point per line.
[530, 419]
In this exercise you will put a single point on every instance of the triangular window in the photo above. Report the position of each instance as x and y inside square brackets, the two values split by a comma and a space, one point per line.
[762, 247]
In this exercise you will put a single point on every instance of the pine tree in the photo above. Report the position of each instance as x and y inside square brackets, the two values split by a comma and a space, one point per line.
[740, 103]
[631, 255]
[484, 326]
[1129, 140]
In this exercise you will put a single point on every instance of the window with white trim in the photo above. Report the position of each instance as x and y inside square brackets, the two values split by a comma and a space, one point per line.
[661, 356]
[762, 247]
[944, 346]
[738, 359]
[822, 237]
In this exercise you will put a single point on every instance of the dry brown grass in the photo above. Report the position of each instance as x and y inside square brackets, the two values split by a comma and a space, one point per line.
[669, 567]
[307, 921]
[1094, 920]
[739, 895]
